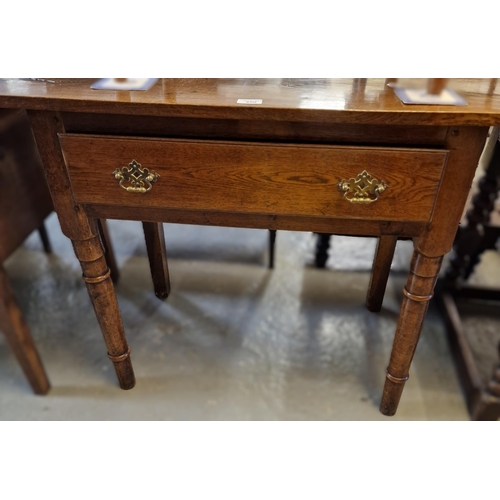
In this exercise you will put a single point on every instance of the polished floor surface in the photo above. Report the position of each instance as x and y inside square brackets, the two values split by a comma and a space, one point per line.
[234, 341]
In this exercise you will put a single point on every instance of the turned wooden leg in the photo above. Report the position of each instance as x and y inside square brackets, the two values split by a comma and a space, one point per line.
[272, 243]
[417, 293]
[42, 231]
[322, 246]
[97, 276]
[380, 272]
[465, 145]
[157, 254]
[18, 336]
[107, 245]
[83, 232]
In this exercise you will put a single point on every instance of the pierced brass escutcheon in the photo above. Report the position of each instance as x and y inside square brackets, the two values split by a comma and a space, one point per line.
[363, 189]
[139, 178]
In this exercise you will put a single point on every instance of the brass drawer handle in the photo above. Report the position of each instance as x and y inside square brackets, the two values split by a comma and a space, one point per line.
[363, 189]
[139, 178]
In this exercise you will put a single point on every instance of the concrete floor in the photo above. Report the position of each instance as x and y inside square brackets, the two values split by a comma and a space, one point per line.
[234, 341]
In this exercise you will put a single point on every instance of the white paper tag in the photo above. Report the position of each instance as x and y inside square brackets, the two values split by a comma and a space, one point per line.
[127, 84]
[249, 101]
[447, 97]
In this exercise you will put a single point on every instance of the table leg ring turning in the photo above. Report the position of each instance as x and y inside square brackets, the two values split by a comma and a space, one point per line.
[393, 389]
[417, 298]
[98, 279]
[121, 357]
[123, 369]
[397, 380]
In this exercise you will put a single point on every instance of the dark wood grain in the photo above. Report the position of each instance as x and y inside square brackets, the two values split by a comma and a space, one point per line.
[157, 256]
[254, 177]
[8, 117]
[239, 129]
[24, 197]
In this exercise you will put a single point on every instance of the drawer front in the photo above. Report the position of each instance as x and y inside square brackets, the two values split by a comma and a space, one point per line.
[281, 179]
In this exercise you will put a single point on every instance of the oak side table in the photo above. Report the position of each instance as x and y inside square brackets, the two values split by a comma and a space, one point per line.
[325, 156]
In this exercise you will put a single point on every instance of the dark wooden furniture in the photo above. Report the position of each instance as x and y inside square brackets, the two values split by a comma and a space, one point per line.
[321, 250]
[475, 237]
[296, 161]
[24, 204]
[157, 255]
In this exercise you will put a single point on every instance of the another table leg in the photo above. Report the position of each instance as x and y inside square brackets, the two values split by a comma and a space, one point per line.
[322, 246]
[42, 231]
[272, 244]
[108, 249]
[157, 254]
[18, 335]
[380, 272]
[417, 293]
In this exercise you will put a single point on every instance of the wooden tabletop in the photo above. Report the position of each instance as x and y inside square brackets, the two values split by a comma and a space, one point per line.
[367, 101]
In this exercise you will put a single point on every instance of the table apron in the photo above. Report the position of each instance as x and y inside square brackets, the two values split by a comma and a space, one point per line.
[328, 225]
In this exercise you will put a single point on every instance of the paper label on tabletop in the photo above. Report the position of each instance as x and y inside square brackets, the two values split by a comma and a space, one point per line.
[124, 84]
[249, 101]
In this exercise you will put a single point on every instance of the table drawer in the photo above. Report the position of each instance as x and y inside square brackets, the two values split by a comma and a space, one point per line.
[266, 178]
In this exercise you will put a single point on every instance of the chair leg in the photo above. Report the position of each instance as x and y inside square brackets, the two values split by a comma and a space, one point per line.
[157, 253]
[272, 243]
[42, 231]
[380, 272]
[322, 246]
[18, 336]
[109, 254]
